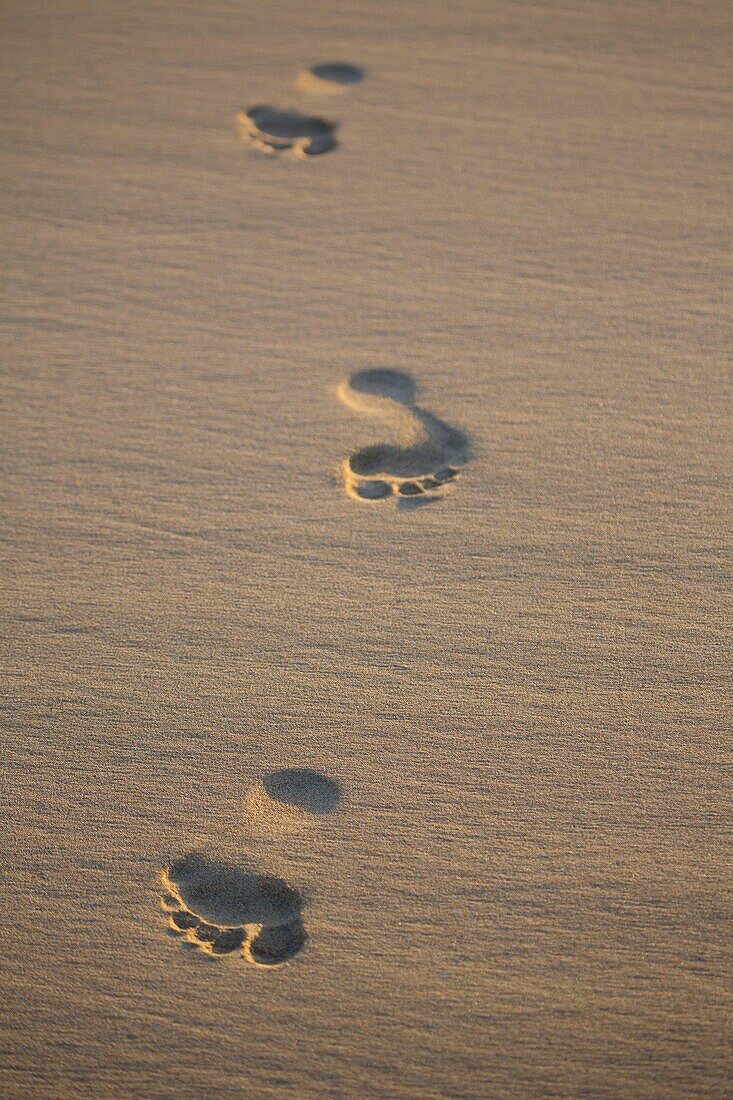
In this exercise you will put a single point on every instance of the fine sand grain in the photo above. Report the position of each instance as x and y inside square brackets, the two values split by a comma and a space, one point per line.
[366, 549]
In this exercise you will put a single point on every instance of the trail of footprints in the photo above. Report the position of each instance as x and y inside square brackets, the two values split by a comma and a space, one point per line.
[233, 909]
[224, 908]
[428, 454]
[277, 130]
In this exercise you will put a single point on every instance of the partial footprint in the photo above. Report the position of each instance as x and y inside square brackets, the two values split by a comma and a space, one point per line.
[427, 457]
[293, 798]
[223, 908]
[329, 78]
[276, 131]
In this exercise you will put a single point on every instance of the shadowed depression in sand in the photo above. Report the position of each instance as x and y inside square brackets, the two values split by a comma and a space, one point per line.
[276, 131]
[293, 798]
[330, 78]
[427, 454]
[224, 908]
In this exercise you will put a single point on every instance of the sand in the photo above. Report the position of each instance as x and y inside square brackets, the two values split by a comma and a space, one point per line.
[516, 681]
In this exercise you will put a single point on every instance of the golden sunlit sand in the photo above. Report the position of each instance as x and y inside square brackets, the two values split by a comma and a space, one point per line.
[305, 799]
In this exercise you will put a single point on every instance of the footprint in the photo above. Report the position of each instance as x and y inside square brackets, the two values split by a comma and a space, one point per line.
[225, 907]
[276, 131]
[222, 908]
[428, 456]
[293, 798]
[329, 78]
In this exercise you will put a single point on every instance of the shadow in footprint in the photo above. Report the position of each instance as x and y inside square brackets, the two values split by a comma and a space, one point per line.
[329, 78]
[274, 946]
[427, 457]
[275, 131]
[303, 789]
[293, 798]
[222, 908]
[228, 895]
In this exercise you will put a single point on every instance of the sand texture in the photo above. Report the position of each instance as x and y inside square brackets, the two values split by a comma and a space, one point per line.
[366, 544]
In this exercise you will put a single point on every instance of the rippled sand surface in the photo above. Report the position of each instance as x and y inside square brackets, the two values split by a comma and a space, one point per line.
[366, 539]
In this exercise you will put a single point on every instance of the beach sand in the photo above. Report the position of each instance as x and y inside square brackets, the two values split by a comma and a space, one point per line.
[517, 682]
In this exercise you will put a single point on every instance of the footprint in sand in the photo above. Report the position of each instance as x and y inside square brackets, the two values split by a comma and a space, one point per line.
[225, 907]
[222, 908]
[330, 78]
[428, 455]
[292, 799]
[276, 131]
